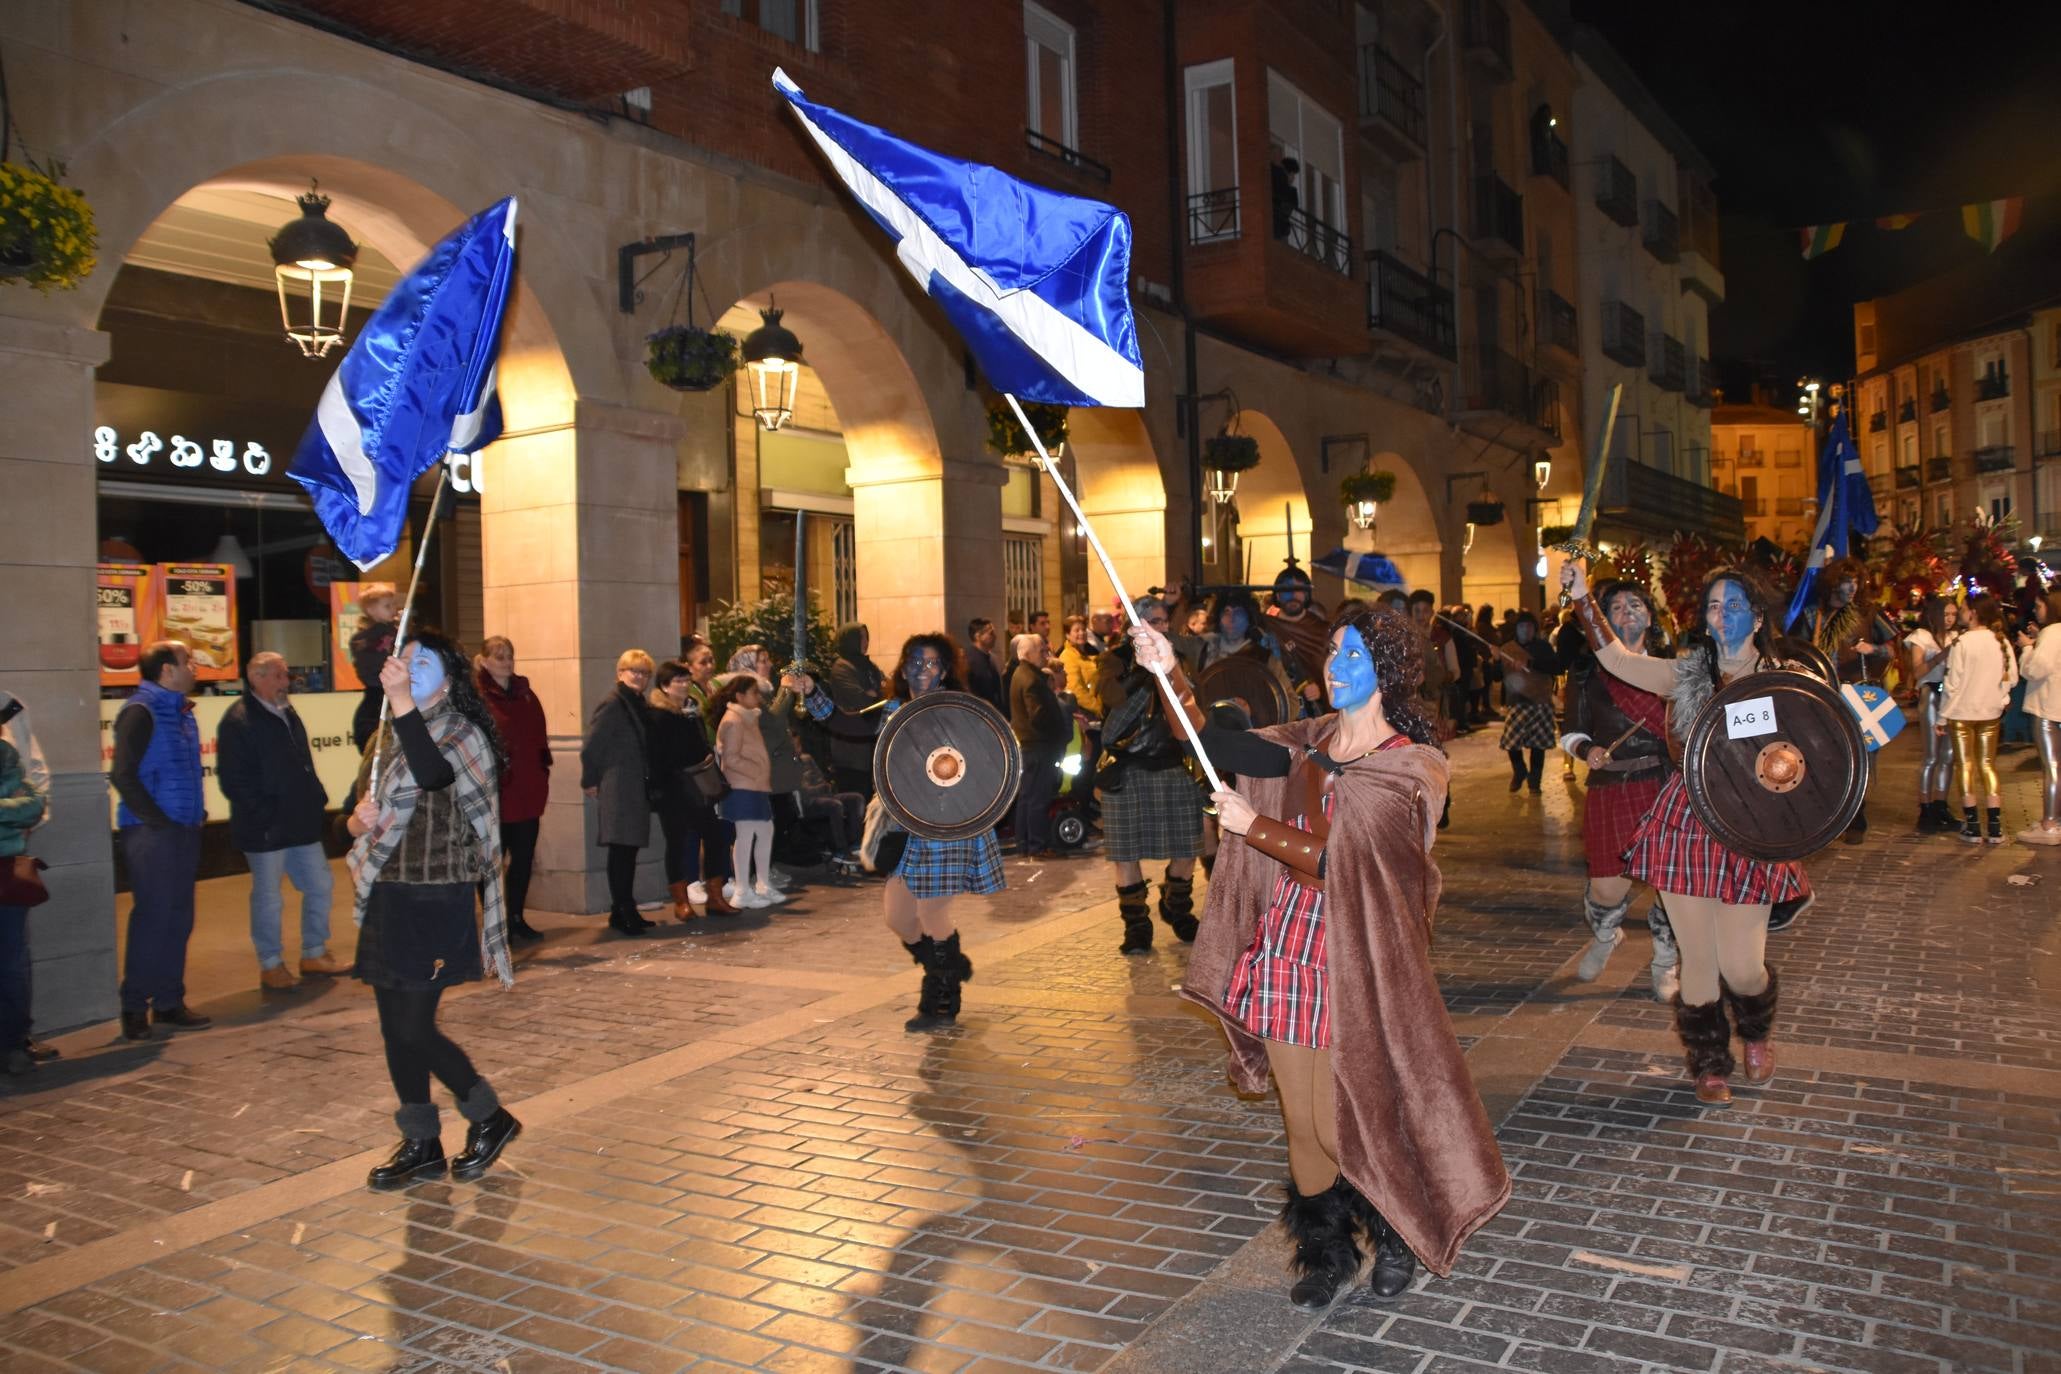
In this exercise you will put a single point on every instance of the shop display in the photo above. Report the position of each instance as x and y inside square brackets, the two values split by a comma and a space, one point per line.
[198, 608]
[126, 597]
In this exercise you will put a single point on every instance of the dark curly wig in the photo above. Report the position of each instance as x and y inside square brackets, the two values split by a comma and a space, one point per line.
[1398, 651]
[1760, 596]
[947, 650]
[463, 687]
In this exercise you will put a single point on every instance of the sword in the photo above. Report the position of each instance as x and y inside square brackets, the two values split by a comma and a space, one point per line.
[1612, 747]
[1576, 545]
[801, 593]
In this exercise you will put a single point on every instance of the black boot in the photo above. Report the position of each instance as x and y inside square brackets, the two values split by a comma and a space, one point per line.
[1971, 828]
[136, 1026]
[519, 929]
[1707, 1040]
[1996, 825]
[491, 1130]
[1394, 1264]
[1134, 904]
[1177, 906]
[937, 1005]
[1325, 1257]
[626, 921]
[965, 964]
[421, 1152]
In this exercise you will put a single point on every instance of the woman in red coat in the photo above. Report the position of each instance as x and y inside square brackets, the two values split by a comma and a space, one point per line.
[526, 782]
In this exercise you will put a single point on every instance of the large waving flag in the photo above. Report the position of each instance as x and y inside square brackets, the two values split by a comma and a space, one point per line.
[1846, 507]
[1037, 282]
[417, 384]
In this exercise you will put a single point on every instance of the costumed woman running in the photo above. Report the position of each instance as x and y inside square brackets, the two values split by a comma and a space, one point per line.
[1315, 951]
[1620, 732]
[918, 897]
[1717, 900]
[426, 843]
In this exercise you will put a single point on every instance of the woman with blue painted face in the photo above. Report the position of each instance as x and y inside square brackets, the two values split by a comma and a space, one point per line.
[1314, 951]
[1717, 900]
[428, 839]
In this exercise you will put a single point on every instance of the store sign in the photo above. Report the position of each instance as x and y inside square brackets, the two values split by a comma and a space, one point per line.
[222, 456]
[326, 715]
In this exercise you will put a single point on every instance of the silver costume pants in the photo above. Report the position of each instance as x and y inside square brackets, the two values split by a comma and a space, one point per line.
[1937, 774]
[2047, 735]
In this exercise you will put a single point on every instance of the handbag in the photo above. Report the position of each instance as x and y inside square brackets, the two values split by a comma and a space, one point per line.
[21, 882]
[706, 781]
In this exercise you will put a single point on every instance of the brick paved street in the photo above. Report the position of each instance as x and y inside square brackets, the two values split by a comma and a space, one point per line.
[736, 1159]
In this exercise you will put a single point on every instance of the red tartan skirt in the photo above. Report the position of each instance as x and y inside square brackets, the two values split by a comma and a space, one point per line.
[1610, 818]
[1672, 852]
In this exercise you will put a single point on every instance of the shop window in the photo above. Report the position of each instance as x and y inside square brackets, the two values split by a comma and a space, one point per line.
[1023, 575]
[797, 21]
[1048, 45]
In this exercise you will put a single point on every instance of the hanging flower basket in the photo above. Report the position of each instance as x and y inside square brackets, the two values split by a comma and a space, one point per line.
[1485, 512]
[1363, 493]
[47, 238]
[687, 358]
[1231, 452]
[1006, 436]
[1553, 536]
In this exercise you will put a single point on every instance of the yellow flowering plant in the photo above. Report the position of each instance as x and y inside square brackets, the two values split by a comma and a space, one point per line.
[46, 228]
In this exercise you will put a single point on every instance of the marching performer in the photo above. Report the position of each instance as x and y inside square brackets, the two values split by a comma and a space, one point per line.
[1925, 654]
[1717, 901]
[1620, 732]
[1315, 953]
[1845, 624]
[917, 900]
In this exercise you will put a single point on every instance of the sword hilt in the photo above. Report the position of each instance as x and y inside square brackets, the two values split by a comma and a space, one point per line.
[1574, 548]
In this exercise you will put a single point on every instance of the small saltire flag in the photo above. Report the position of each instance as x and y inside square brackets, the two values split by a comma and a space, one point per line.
[1037, 282]
[1820, 239]
[1367, 569]
[1882, 720]
[1846, 507]
[1990, 222]
[417, 384]
[1896, 221]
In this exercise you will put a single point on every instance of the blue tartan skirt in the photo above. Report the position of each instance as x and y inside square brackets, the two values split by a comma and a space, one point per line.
[952, 868]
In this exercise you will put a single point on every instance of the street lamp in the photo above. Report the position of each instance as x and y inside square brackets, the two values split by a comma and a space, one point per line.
[308, 255]
[773, 355]
[1542, 472]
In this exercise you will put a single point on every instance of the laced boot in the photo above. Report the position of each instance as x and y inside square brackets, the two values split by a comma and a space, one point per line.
[1134, 904]
[1177, 906]
[1325, 1259]
[421, 1151]
[1996, 825]
[490, 1131]
[1707, 1037]
[931, 1000]
[1394, 1264]
[1971, 828]
[1755, 1018]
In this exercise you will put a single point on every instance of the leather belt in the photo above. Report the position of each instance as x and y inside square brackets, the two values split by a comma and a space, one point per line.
[1617, 765]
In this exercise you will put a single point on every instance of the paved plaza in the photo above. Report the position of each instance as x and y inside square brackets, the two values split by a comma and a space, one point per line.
[735, 1158]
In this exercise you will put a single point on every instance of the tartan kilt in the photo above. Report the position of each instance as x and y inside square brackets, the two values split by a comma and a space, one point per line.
[1156, 814]
[952, 868]
[1673, 852]
[418, 936]
[1610, 818]
[1528, 725]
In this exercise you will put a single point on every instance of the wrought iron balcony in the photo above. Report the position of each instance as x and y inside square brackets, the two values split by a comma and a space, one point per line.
[1559, 327]
[1939, 469]
[1940, 399]
[1907, 410]
[1624, 334]
[1617, 193]
[1659, 503]
[1549, 156]
[1993, 386]
[1663, 232]
[1391, 95]
[1059, 152]
[1752, 458]
[1213, 215]
[1669, 361]
[1499, 382]
[1406, 303]
[1314, 239]
[1878, 420]
[1907, 476]
[1486, 29]
[1498, 212]
[1996, 458]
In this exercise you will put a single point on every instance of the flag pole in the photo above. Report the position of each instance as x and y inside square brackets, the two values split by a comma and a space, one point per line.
[407, 611]
[1216, 784]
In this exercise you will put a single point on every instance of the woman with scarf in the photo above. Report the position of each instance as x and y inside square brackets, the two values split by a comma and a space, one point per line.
[917, 900]
[696, 838]
[526, 781]
[1980, 673]
[1527, 664]
[856, 691]
[428, 842]
[1717, 901]
[1315, 952]
[1925, 658]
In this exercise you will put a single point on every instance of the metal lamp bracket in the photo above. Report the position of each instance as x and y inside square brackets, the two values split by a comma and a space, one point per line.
[628, 284]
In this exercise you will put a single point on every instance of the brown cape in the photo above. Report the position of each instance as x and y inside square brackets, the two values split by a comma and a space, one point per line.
[1412, 1134]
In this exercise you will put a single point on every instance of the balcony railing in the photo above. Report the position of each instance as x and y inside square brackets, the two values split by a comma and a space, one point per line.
[1487, 31]
[1314, 239]
[1502, 383]
[1658, 502]
[1404, 302]
[1559, 327]
[1213, 215]
[1788, 458]
[1549, 156]
[1624, 334]
[1498, 211]
[1752, 458]
[1059, 152]
[1907, 476]
[1669, 363]
[1940, 399]
[1389, 92]
[1996, 458]
[1939, 469]
[1878, 420]
[1663, 232]
[1907, 410]
[1993, 386]
[1617, 193]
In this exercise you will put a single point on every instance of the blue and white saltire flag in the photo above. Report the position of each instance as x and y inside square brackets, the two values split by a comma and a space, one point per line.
[1037, 282]
[1846, 507]
[418, 383]
[1367, 569]
[1881, 719]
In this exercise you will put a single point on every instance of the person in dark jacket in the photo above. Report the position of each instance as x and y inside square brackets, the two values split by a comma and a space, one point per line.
[613, 763]
[156, 773]
[697, 840]
[372, 643]
[1043, 728]
[266, 769]
[857, 686]
[981, 677]
[23, 806]
[526, 781]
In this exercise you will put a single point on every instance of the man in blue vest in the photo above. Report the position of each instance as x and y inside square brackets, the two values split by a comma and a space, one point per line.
[157, 776]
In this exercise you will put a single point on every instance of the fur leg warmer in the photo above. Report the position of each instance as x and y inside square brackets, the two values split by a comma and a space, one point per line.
[1706, 1036]
[1755, 1015]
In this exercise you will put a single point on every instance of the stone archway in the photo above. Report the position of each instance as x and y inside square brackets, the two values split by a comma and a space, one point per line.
[1405, 527]
[1273, 507]
[1123, 493]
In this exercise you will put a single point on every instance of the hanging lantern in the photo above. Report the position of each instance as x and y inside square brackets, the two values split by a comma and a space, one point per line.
[773, 356]
[311, 262]
[1362, 514]
[1542, 471]
[1467, 544]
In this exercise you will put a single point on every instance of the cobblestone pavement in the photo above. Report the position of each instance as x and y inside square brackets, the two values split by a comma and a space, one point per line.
[736, 1159]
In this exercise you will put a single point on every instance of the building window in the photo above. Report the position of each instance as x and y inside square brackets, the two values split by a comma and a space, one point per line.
[1867, 339]
[797, 21]
[1946, 513]
[1910, 456]
[844, 569]
[1301, 131]
[1049, 53]
[1942, 447]
[1212, 152]
[1023, 575]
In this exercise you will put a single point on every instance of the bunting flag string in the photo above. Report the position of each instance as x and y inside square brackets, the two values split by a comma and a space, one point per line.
[1988, 222]
[1820, 239]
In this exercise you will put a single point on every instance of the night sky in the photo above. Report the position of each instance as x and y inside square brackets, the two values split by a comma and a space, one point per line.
[1816, 112]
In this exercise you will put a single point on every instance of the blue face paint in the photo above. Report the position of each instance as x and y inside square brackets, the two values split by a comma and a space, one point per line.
[1350, 671]
[1730, 617]
[425, 674]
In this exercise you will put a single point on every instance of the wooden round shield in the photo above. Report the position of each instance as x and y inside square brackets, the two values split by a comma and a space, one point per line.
[1775, 766]
[1247, 680]
[947, 766]
[1801, 653]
